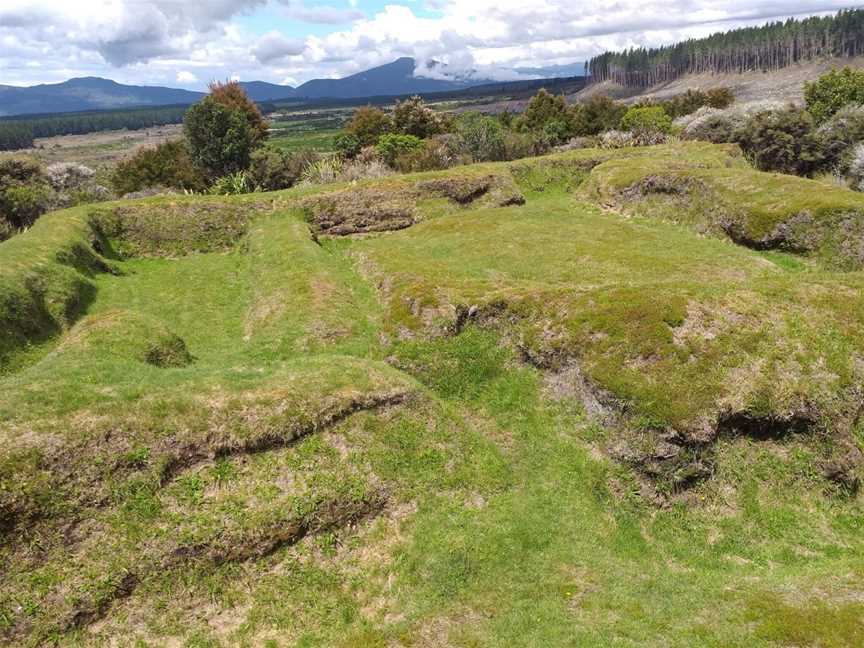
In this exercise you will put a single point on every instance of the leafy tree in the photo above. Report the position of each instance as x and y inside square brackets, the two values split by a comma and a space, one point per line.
[832, 91]
[221, 140]
[232, 95]
[548, 114]
[646, 120]
[413, 117]
[167, 165]
[782, 140]
[481, 137]
[392, 145]
[596, 115]
[368, 124]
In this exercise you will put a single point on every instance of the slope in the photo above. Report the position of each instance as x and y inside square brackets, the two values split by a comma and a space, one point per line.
[512, 404]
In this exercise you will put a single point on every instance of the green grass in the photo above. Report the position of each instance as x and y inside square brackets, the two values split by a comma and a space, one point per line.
[297, 140]
[345, 458]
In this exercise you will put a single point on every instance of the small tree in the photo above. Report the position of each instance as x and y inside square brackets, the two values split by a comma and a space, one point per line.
[368, 124]
[481, 137]
[220, 139]
[24, 194]
[832, 91]
[550, 115]
[782, 140]
[232, 95]
[414, 117]
[596, 115]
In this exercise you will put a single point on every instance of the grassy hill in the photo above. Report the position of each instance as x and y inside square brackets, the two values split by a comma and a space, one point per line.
[601, 398]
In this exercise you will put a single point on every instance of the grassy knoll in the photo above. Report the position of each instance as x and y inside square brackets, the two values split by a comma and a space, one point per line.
[542, 403]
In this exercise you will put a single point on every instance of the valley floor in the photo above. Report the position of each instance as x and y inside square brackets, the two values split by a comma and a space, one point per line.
[501, 413]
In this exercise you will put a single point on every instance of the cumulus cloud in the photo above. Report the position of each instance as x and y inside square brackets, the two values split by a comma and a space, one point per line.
[149, 40]
[274, 46]
[186, 77]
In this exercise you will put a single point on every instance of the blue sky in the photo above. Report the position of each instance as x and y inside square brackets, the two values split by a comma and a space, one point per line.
[186, 43]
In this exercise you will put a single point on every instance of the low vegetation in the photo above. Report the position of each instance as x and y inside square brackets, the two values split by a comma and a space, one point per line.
[603, 397]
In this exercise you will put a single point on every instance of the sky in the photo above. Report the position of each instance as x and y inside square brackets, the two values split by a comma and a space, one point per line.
[187, 43]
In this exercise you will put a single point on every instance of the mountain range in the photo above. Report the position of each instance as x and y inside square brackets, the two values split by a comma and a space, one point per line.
[95, 93]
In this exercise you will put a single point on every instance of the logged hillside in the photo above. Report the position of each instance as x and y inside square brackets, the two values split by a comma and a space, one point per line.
[599, 398]
[785, 84]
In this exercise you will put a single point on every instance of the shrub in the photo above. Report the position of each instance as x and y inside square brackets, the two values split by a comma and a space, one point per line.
[167, 165]
[840, 133]
[719, 98]
[21, 205]
[272, 169]
[692, 100]
[523, 145]
[368, 124]
[440, 152]
[855, 168]
[233, 185]
[348, 145]
[413, 117]
[828, 94]
[597, 115]
[615, 139]
[220, 139]
[24, 194]
[232, 95]
[481, 137]
[782, 140]
[356, 170]
[68, 176]
[393, 145]
[323, 171]
[646, 121]
[550, 115]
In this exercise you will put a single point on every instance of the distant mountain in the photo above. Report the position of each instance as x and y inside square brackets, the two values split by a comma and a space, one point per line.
[396, 78]
[93, 93]
[555, 71]
[87, 93]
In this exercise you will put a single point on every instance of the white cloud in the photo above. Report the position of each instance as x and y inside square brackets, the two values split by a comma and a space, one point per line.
[186, 77]
[148, 41]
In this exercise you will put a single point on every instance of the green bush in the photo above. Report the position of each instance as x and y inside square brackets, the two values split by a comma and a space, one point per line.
[24, 194]
[839, 135]
[597, 115]
[481, 137]
[719, 98]
[167, 165]
[220, 139]
[828, 94]
[393, 145]
[233, 185]
[413, 117]
[782, 140]
[272, 169]
[692, 100]
[647, 120]
[348, 145]
[523, 145]
[368, 124]
[440, 152]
